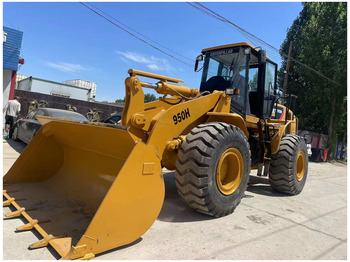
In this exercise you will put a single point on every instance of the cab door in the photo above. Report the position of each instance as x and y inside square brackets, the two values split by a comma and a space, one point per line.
[269, 88]
[266, 89]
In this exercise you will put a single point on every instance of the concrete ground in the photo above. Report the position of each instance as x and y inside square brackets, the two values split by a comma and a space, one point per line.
[266, 225]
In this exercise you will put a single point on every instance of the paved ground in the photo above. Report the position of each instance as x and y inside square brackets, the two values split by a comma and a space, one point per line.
[266, 225]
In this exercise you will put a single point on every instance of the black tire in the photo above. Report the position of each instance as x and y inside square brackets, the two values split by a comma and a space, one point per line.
[283, 168]
[15, 134]
[197, 166]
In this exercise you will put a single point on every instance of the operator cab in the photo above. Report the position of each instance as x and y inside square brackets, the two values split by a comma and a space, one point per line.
[244, 68]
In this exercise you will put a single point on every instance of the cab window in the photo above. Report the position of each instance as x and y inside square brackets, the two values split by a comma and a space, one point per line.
[253, 79]
[270, 78]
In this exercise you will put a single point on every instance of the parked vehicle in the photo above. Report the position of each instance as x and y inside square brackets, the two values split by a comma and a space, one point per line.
[308, 140]
[26, 127]
[319, 146]
[114, 119]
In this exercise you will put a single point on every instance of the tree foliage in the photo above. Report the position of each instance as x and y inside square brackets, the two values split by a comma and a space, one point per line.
[120, 100]
[319, 36]
[148, 98]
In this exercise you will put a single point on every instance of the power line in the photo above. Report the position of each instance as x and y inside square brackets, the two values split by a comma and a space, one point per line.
[142, 40]
[246, 33]
[190, 59]
[249, 36]
[203, 11]
[228, 21]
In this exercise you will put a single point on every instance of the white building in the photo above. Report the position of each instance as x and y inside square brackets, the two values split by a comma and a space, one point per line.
[20, 77]
[84, 84]
[54, 88]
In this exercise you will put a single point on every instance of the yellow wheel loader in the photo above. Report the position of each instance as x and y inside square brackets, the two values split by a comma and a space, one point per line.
[91, 187]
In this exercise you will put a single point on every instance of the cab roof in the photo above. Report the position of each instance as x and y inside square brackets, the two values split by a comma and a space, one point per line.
[241, 44]
[228, 46]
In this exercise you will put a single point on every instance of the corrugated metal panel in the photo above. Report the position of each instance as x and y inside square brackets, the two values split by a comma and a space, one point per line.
[84, 84]
[49, 87]
[12, 48]
[81, 83]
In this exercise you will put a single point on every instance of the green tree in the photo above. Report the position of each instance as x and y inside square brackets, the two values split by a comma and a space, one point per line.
[150, 98]
[120, 100]
[319, 36]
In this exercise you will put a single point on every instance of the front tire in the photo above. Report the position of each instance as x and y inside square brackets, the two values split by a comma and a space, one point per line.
[289, 166]
[213, 168]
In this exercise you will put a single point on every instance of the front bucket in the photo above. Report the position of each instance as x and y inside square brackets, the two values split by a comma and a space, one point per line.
[95, 187]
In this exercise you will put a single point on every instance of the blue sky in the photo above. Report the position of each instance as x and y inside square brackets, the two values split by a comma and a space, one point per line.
[64, 41]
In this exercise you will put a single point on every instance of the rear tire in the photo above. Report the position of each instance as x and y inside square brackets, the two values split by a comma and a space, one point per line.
[288, 169]
[213, 168]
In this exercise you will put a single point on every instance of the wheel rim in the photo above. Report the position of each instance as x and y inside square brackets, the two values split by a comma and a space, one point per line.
[300, 165]
[229, 171]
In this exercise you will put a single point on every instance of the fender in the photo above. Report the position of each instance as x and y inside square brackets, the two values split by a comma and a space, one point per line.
[229, 118]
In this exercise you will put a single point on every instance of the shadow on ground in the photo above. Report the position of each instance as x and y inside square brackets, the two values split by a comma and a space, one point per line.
[261, 186]
[51, 249]
[174, 208]
[18, 146]
[122, 247]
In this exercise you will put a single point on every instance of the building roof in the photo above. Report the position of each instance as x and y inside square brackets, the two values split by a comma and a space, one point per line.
[11, 48]
[49, 81]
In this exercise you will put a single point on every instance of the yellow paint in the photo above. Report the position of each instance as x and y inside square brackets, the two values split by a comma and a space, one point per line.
[281, 128]
[228, 46]
[28, 226]
[134, 72]
[96, 167]
[109, 179]
[229, 118]
[165, 129]
[243, 44]
[229, 171]
[300, 165]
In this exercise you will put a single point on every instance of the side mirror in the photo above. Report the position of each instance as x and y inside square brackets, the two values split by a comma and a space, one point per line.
[198, 59]
[306, 135]
[262, 56]
[308, 139]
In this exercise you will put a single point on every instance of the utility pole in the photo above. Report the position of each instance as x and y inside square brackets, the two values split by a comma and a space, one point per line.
[287, 68]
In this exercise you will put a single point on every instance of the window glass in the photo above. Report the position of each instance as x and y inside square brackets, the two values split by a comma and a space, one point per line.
[269, 88]
[238, 79]
[253, 79]
[212, 68]
[68, 115]
[114, 119]
[270, 78]
[39, 113]
[224, 69]
[31, 114]
[221, 63]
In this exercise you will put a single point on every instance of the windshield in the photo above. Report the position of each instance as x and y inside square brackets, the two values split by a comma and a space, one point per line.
[224, 69]
[68, 115]
[224, 63]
